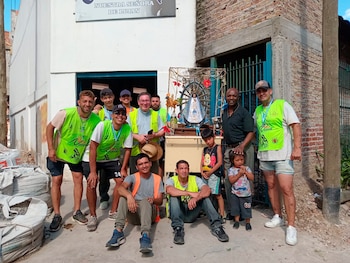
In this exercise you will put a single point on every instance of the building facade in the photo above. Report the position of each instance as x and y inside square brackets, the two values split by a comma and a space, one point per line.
[55, 56]
[291, 31]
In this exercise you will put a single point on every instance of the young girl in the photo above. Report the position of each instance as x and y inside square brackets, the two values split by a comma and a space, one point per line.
[210, 167]
[241, 195]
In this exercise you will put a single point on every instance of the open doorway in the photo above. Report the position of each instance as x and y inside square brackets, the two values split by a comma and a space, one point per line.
[135, 82]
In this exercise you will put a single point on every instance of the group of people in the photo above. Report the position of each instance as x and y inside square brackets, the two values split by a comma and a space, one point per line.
[277, 130]
[120, 142]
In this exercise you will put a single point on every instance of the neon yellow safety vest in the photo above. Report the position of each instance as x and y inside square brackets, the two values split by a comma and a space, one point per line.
[191, 186]
[156, 183]
[133, 123]
[269, 121]
[75, 135]
[112, 141]
[102, 114]
[163, 115]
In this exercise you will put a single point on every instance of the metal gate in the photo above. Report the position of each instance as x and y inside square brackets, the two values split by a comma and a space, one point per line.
[243, 70]
[344, 102]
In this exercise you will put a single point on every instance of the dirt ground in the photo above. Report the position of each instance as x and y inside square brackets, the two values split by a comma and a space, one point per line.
[310, 218]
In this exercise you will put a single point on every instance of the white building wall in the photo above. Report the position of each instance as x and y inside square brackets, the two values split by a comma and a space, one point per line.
[50, 48]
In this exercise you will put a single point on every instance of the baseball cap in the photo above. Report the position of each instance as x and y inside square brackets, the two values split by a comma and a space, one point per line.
[119, 108]
[262, 84]
[125, 92]
[106, 92]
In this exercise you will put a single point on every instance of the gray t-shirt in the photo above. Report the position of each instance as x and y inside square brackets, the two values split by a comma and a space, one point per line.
[146, 188]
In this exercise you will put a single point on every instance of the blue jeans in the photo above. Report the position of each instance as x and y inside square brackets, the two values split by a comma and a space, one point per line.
[180, 213]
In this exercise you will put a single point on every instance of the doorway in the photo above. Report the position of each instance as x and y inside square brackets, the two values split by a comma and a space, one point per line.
[135, 81]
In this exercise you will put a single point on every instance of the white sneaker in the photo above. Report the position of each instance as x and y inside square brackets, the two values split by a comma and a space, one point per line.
[92, 223]
[291, 236]
[112, 215]
[104, 205]
[274, 222]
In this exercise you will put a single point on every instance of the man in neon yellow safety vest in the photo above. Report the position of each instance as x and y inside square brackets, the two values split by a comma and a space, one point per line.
[188, 195]
[107, 140]
[279, 144]
[68, 135]
[146, 126]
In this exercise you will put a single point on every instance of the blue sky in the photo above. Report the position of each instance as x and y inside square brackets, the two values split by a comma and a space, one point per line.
[8, 6]
[343, 10]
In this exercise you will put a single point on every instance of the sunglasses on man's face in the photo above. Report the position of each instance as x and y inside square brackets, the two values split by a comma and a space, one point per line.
[261, 90]
[120, 113]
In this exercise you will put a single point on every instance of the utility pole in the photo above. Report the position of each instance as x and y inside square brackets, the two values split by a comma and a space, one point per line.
[3, 90]
[330, 94]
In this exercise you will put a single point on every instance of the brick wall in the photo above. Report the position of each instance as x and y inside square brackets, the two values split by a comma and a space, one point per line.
[306, 83]
[218, 19]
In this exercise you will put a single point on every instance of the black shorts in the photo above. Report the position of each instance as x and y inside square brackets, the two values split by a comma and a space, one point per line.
[111, 169]
[56, 168]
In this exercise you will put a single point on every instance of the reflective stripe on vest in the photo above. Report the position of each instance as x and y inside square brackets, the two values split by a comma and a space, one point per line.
[156, 184]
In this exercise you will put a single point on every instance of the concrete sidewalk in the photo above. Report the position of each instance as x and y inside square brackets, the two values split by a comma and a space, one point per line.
[74, 243]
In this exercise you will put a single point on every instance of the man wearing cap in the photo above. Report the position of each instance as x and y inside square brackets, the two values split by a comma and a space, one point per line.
[146, 126]
[68, 135]
[139, 194]
[105, 113]
[279, 144]
[106, 142]
[125, 98]
[238, 127]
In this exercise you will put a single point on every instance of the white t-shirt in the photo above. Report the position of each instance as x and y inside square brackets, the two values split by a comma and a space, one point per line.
[289, 117]
[97, 137]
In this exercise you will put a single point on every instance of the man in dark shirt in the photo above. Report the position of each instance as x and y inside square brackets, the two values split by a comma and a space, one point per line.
[238, 127]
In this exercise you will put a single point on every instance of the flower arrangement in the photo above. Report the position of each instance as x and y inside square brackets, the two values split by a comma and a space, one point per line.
[171, 101]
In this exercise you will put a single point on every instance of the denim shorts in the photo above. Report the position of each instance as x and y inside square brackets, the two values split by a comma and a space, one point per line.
[280, 167]
[214, 184]
[56, 168]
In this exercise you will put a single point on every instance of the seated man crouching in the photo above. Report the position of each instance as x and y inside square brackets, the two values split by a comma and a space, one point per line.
[188, 195]
[138, 194]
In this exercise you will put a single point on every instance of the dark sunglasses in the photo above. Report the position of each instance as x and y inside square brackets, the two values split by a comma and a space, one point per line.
[261, 90]
[120, 113]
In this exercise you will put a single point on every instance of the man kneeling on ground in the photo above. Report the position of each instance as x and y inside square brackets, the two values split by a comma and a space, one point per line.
[137, 204]
[188, 195]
